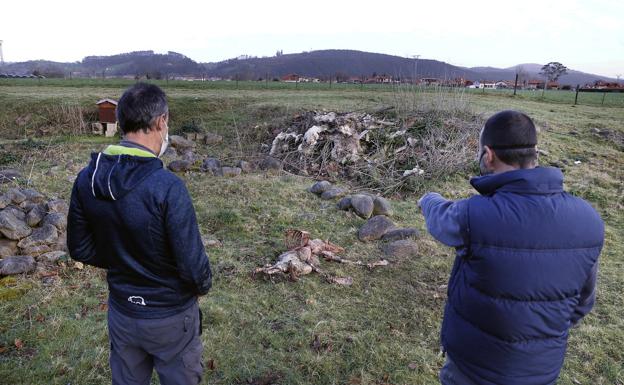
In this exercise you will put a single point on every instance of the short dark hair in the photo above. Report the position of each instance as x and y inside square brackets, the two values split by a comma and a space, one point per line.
[512, 136]
[139, 106]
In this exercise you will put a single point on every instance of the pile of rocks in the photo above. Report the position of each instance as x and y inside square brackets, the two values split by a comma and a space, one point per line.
[327, 191]
[205, 138]
[32, 228]
[184, 158]
[377, 210]
[398, 242]
[366, 205]
[213, 166]
[181, 150]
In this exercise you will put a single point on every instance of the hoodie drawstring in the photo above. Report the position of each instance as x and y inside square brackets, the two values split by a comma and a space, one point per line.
[110, 191]
[97, 163]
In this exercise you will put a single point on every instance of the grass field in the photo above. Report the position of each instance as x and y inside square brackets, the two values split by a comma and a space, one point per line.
[382, 330]
[552, 96]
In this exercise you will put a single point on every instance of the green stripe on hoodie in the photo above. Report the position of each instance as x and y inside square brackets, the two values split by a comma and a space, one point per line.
[122, 150]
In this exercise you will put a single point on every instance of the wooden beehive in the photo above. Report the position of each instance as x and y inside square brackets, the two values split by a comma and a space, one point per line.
[106, 110]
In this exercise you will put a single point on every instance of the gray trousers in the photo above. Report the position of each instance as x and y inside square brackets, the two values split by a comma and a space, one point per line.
[451, 375]
[171, 345]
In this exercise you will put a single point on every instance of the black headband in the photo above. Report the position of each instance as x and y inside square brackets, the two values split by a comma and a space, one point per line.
[512, 147]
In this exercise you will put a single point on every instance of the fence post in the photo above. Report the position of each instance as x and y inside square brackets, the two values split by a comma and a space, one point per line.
[577, 91]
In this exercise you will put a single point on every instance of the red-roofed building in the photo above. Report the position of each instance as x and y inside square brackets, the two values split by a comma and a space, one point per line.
[290, 78]
[601, 84]
[552, 86]
[534, 84]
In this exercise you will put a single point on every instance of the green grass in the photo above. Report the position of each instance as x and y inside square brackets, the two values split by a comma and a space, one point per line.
[554, 96]
[601, 99]
[382, 330]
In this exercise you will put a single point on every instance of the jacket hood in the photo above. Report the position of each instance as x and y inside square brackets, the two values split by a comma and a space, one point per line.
[539, 180]
[113, 176]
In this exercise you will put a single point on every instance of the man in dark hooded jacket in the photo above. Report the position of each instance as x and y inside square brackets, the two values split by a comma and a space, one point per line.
[135, 219]
[526, 264]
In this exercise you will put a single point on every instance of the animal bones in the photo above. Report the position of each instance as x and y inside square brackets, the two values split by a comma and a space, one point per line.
[302, 258]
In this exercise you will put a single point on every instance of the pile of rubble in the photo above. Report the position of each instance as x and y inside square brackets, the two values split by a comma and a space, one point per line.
[380, 153]
[311, 132]
[33, 228]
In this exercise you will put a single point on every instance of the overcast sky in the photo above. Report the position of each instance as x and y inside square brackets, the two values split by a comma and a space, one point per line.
[586, 35]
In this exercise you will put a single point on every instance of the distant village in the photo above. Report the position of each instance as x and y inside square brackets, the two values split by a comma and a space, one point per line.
[523, 84]
[532, 84]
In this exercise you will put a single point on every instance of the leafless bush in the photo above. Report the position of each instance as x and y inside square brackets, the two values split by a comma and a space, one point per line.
[62, 119]
[436, 100]
[68, 118]
[436, 148]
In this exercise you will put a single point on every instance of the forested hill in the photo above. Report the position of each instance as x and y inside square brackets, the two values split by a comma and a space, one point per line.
[321, 64]
[324, 64]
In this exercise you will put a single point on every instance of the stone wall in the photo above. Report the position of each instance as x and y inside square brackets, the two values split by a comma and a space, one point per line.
[32, 228]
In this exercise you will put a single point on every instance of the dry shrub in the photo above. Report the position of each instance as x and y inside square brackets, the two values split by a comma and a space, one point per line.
[66, 118]
[446, 101]
[61, 119]
[442, 147]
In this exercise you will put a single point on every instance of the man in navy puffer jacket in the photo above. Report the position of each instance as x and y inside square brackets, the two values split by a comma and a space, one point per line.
[526, 264]
[135, 219]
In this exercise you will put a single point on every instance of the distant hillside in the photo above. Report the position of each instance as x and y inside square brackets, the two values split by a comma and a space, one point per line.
[320, 64]
[49, 69]
[531, 67]
[139, 63]
[142, 63]
[327, 63]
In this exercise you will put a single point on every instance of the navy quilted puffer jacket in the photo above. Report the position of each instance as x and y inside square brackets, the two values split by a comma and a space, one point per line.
[525, 271]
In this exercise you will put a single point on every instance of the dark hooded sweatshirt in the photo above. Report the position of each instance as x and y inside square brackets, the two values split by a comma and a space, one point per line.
[134, 218]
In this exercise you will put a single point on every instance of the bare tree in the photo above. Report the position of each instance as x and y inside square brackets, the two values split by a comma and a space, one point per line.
[523, 75]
